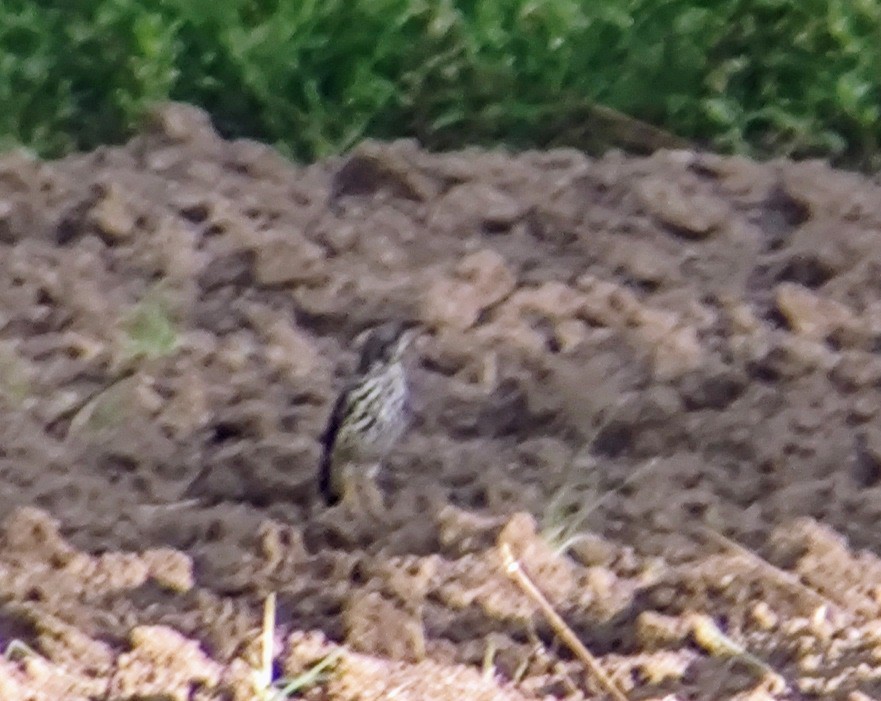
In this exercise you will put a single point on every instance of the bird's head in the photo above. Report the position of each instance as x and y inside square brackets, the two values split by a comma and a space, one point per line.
[386, 344]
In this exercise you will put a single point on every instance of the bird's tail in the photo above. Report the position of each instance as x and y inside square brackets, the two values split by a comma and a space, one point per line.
[325, 479]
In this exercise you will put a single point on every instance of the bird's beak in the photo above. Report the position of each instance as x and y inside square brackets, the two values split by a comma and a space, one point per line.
[360, 338]
[408, 336]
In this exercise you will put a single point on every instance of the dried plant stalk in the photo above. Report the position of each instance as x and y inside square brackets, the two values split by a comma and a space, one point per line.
[566, 634]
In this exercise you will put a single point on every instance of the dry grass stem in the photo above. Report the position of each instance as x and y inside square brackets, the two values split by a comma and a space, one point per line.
[489, 657]
[712, 640]
[263, 675]
[775, 572]
[566, 634]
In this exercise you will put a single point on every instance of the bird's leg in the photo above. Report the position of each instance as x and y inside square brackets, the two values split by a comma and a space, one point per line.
[360, 493]
[374, 499]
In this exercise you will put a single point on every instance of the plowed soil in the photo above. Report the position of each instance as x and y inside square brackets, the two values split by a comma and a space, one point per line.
[627, 361]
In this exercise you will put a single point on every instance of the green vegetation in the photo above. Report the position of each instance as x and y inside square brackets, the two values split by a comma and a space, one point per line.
[799, 77]
[15, 385]
[150, 331]
[148, 334]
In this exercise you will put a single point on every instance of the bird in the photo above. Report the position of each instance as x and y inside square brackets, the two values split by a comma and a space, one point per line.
[371, 413]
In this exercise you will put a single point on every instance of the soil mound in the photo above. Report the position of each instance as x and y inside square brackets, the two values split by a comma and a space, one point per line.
[623, 353]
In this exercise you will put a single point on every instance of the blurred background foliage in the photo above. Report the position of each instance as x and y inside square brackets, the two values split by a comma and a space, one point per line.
[313, 77]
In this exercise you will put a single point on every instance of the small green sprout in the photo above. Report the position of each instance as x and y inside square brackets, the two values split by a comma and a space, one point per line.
[150, 332]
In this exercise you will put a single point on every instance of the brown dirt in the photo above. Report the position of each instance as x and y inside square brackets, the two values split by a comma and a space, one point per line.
[709, 325]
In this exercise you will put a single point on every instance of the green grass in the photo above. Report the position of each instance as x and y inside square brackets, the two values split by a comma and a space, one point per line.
[15, 385]
[149, 328]
[763, 77]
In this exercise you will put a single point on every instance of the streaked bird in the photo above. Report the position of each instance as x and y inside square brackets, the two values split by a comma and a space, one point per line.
[370, 414]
